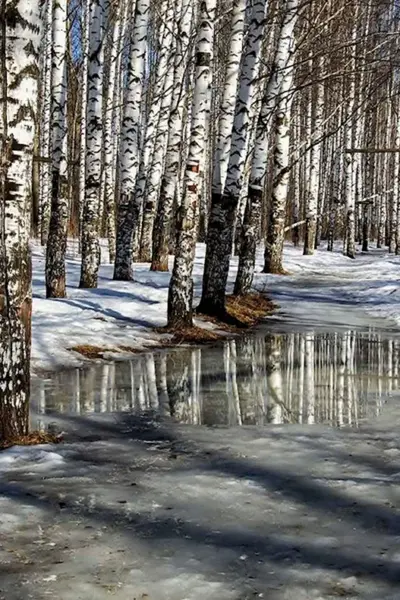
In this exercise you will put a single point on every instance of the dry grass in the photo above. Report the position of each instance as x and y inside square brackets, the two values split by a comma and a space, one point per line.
[248, 310]
[32, 439]
[188, 335]
[96, 352]
[91, 352]
[241, 312]
[129, 349]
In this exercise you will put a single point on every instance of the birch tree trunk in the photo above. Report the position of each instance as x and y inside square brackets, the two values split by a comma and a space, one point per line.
[19, 48]
[83, 121]
[156, 166]
[94, 141]
[224, 204]
[156, 130]
[45, 118]
[162, 224]
[57, 242]
[349, 182]
[314, 170]
[252, 218]
[128, 204]
[396, 192]
[223, 145]
[280, 176]
[180, 297]
[110, 126]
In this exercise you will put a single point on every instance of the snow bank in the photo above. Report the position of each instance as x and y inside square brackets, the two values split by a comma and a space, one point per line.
[39, 457]
[125, 314]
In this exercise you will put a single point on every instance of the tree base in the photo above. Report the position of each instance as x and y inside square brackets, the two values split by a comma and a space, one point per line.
[275, 271]
[160, 267]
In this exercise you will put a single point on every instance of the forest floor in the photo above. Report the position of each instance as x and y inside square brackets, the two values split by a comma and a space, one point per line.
[123, 317]
[148, 509]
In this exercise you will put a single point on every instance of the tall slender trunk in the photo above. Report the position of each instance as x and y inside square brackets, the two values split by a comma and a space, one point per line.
[280, 175]
[180, 295]
[85, 22]
[169, 181]
[349, 182]
[156, 165]
[314, 166]
[19, 48]
[224, 203]
[276, 85]
[127, 205]
[45, 119]
[110, 126]
[227, 109]
[57, 242]
[94, 140]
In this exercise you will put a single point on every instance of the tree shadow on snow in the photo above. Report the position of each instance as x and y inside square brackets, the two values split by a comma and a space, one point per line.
[272, 557]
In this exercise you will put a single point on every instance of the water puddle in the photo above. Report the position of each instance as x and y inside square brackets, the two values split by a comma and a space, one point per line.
[341, 379]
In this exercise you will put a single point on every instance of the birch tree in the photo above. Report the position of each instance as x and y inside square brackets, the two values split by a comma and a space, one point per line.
[94, 139]
[111, 132]
[151, 166]
[45, 121]
[57, 241]
[162, 224]
[128, 208]
[224, 203]
[180, 296]
[227, 109]
[19, 47]
[280, 174]
[252, 218]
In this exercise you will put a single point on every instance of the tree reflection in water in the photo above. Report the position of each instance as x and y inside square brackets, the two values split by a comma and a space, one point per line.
[254, 380]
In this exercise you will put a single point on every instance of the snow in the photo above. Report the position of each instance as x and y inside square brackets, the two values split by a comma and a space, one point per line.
[144, 508]
[282, 512]
[126, 314]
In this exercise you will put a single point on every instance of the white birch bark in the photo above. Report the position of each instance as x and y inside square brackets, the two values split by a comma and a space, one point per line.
[162, 225]
[223, 208]
[94, 140]
[85, 22]
[180, 295]
[280, 176]
[153, 150]
[223, 143]
[349, 182]
[156, 165]
[110, 126]
[57, 241]
[314, 164]
[128, 207]
[45, 119]
[252, 217]
[20, 25]
[396, 189]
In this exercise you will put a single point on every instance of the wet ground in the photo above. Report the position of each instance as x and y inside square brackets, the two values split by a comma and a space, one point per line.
[340, 374]
[263, 467]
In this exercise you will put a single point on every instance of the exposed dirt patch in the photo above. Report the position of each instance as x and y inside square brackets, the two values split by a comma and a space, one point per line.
[92, 352]
[249, 309]
[242, 312]
[34, 438]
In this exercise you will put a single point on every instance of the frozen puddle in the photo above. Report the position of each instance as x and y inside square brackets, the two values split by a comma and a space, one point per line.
[265, 467]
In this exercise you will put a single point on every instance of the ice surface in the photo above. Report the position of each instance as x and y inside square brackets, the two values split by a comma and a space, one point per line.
[168, 512]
